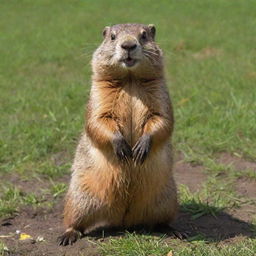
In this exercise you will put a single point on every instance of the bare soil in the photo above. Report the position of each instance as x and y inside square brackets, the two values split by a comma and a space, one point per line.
[191, 176]
[47, 222]
[239, 163]
[244, 186]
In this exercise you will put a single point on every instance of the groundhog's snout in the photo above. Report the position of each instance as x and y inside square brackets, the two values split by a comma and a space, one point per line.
[129, 45]
[130, 53]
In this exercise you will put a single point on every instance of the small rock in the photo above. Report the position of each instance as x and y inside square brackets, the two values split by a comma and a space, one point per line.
[40, 239]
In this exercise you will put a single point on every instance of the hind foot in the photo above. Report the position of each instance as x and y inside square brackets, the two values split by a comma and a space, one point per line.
[69, 237]
[171, 231]
[176, 233]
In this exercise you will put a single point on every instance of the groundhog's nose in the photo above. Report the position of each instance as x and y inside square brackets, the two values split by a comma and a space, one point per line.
[129, 45]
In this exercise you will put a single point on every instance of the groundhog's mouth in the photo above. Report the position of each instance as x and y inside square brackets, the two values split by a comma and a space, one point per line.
[129, 62]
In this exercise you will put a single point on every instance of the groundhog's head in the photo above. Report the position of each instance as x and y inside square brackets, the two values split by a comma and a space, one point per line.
[128, 48]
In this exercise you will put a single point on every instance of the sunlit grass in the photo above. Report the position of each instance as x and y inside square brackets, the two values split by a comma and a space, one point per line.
[12, 198]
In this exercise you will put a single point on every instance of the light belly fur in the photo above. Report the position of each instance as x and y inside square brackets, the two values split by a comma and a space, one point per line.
[133, 119]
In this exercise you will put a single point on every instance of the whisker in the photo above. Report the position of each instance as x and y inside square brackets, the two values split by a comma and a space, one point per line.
[151, 52]
[149, 57]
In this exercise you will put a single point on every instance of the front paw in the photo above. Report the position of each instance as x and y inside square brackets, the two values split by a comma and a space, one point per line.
[141, 149]
[121, 148]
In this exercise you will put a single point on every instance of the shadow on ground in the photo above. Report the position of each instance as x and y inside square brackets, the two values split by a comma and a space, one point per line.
[209, 228]
[215, 228]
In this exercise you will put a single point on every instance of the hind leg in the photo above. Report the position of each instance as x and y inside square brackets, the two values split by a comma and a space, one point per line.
[164, 208]
[73, 217]
[79, 215]
[169, 207]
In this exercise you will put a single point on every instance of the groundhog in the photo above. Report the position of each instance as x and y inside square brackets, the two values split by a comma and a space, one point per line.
[122, 171]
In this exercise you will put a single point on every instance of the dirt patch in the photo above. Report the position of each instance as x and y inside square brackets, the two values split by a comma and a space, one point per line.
[246, 187]
[189, 175]
[238, 163]
[247, 190]
[40, 222]
[48, 224]
[225, 226]
[44, 223]
[27, 186]
[244, 213]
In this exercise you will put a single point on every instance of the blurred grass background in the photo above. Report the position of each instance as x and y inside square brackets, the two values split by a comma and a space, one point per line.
[46, 48]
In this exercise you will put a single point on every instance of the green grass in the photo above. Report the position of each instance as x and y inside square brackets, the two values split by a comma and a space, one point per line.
[58, 189]
[212, 199]
[134, 245]
[11, 198]
[3, 249]
[210, 57]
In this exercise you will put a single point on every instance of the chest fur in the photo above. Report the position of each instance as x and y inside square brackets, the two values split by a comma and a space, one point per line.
[131, 110]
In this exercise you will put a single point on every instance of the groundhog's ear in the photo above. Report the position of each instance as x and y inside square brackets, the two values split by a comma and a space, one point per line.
[105, 31]
[152, 30]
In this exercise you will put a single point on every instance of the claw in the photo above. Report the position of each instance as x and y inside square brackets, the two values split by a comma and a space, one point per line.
[69, 237]
[141, 149]
[179, 234]
[121, 148]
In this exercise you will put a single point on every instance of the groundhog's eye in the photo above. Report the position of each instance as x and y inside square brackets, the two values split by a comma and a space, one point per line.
[144, 35]
[113, 37]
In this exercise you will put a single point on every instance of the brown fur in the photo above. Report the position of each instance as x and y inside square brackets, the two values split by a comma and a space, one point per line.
[105, 191]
